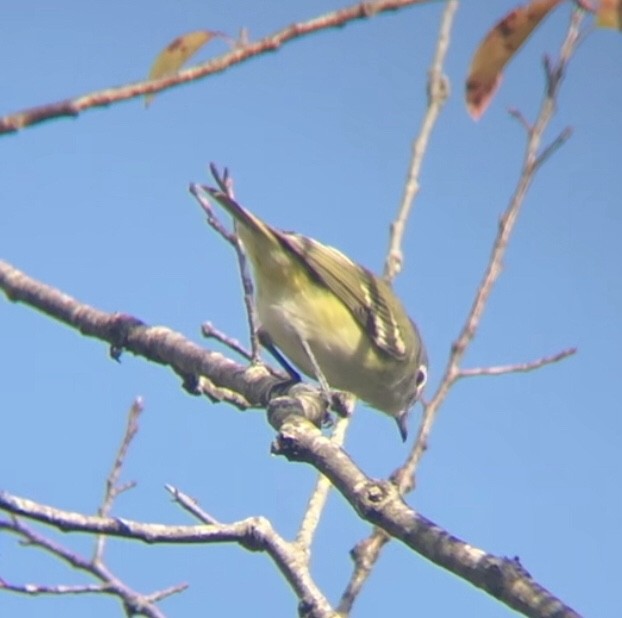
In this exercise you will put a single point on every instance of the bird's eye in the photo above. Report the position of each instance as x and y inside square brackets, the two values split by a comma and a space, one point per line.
[422, 377]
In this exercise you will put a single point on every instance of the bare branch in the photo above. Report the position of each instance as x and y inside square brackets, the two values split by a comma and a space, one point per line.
[311, 518]
[516, 367]
[212, 219]
[59, 589]
[154, 597]
[559, 141]
[226, 185]
[364, 556]
[319, 496]
[381, 504]
[209, 331]
[520, 117]
[70, 521]
[438, 92]
[32, 538]
[111, 585]
[368, 551]
[113, 489]
[255, 534]
[191, 505]
[219, 376]
[404, 476]
[103, 98]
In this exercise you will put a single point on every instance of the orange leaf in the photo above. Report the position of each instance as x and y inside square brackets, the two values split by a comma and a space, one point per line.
[171, 59]
[497, 49]
[609, 14]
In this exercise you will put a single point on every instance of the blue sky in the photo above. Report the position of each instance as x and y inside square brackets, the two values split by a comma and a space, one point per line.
[317, 136]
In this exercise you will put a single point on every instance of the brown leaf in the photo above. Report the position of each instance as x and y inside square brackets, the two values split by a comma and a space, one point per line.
[171, 59]
[609, 14]
[497, 49]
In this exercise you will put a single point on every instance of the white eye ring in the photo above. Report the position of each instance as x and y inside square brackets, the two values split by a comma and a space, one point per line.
[422, 377]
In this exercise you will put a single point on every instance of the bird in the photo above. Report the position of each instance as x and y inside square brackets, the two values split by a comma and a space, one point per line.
[335, 320]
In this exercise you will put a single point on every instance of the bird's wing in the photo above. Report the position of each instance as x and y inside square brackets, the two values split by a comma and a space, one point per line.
[362, 292]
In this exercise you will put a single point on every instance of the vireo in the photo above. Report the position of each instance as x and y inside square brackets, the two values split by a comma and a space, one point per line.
[312, 300]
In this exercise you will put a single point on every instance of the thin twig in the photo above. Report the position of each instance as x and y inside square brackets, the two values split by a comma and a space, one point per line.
[59, 589]
[255, 534]
[225, 380]
[159, 595]
[367, 551]
[191, 505]
[212, 219]
[438, 92]
[103, 98]
[110, 583]
[520, 117]
[225, 183]
[113, 489]
[209, 331]
[516, 367]
[381, 503]
[554, 78]
[364, 557]
[559, 141]
[319, 496]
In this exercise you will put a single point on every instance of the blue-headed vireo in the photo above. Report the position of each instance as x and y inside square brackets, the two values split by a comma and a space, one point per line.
[312, 299]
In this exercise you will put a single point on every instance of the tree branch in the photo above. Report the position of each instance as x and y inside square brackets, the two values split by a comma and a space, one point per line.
[190, 505]
[554, 78]
[103, 98]
[499, 370]
[319, 496]
[225, 183]
[111, 585]
[209, 331]
[255, 534]
[215, 375]
[113, 489]
[367, 552]
[438, 93]
[381, 504]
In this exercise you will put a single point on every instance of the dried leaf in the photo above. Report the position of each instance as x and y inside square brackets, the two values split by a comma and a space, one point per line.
[497, 49]
[609, 14]
[172, 58]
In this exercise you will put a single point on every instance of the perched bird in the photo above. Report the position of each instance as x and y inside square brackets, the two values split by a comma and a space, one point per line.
[326, 313]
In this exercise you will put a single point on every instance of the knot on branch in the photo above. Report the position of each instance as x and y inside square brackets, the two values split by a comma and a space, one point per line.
[374, 496]
[121, 328]
[301, 401]
[257, 529]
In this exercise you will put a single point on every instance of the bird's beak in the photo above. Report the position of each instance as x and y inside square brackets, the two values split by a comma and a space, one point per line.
[402, 421]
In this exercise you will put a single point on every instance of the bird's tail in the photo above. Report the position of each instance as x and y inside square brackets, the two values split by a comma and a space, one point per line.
[258, 237]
